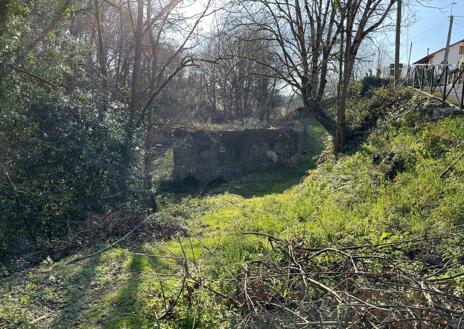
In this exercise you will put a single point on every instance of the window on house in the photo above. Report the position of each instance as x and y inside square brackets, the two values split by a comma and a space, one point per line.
[461, 50]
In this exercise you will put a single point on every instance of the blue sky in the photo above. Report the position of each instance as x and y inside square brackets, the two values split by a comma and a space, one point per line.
[430, 28]
[427, 27]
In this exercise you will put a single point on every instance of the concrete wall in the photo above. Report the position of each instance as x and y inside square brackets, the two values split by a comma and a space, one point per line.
[210, 155]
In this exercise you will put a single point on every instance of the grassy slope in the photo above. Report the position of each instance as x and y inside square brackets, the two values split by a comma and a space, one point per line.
[339, 203]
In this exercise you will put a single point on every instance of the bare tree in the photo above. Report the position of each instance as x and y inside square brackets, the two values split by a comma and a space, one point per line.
[236, 78]
[309, 39]
[358, 19]
[304, 34]
[101, 58]
[139, 48]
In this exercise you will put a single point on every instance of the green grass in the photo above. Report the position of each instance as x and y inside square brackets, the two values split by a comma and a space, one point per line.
[343, 202]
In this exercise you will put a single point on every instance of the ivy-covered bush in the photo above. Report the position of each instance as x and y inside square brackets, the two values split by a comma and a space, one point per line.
[59, 160]
[59, 163]
[370, 83]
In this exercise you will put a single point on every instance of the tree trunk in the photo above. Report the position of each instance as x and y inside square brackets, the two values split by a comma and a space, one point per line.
[148, 162]
[315, 108]
[101, 58]
[127, 153]
[341, 120]
[340, 136]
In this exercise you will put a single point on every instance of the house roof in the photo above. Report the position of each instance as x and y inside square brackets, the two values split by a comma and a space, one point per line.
[425, 59]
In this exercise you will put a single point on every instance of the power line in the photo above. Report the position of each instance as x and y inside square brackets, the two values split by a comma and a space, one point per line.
[428, 35]
[423, 5]
[426, 32]
[459, 24]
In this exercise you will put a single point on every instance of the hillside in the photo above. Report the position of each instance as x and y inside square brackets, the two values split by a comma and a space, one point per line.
[373, 239]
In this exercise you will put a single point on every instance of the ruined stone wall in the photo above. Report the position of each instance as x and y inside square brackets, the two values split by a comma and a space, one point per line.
[210, 155]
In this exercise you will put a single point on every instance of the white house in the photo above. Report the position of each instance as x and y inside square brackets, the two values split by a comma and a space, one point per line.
[455, 57]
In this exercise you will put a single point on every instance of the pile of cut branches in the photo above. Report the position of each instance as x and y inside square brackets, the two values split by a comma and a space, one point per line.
[403, 284]
[121, 227]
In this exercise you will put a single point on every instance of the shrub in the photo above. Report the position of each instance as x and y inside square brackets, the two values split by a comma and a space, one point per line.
[369, 83]
[58, 165]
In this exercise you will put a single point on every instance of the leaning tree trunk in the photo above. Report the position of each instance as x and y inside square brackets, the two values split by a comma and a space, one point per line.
[315, 108]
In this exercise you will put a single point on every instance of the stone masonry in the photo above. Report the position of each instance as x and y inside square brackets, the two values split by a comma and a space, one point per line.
[222, 155]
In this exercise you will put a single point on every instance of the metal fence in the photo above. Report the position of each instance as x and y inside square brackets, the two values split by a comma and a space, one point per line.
[442, 81]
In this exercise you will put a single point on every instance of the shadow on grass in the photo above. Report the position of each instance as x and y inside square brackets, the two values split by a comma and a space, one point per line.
[268, 181]
[125, 312]
[80, 286]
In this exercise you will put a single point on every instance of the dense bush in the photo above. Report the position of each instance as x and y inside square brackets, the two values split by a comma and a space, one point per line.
[58, 164]
[59, 159]
[369, 83]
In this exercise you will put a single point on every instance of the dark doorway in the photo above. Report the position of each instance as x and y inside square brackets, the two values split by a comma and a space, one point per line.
[215, 183]
[190, 185]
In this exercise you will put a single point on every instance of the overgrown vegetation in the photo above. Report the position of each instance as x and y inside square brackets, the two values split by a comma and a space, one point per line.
[372, 238]
[90, 89]
[52, 158]
[366, 231]
[59, 162]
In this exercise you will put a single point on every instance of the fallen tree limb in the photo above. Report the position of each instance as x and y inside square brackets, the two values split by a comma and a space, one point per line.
[41, 318]
[451, 167]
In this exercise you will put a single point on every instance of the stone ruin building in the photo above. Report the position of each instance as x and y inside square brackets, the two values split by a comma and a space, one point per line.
[208, 157]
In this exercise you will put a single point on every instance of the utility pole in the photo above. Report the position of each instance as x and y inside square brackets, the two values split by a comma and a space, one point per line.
[398, 40]
[445, 60]
[409, 58]
[379, 66]
[448, 40]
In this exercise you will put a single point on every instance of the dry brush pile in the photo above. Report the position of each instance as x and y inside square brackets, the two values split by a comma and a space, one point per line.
[402, 284]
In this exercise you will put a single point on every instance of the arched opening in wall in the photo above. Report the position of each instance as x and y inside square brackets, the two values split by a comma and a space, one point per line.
[190, 185]
[215, 183]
